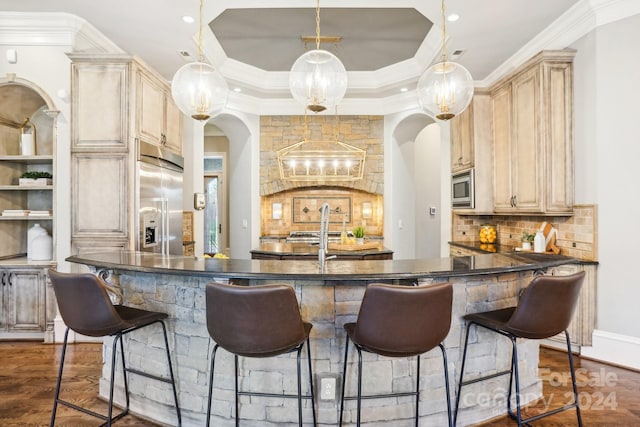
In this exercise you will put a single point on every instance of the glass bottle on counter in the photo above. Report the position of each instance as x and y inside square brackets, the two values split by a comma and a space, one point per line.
[488, 233]
[344, 237]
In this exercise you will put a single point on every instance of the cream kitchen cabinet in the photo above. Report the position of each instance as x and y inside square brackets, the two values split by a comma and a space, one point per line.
[462, 140]
[471, 149]
[158, 119]
[27, 310]
[116, 99]
[460, 251]
[532, 117]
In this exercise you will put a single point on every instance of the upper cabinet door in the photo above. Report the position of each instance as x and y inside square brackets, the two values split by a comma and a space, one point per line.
[558, 133]
[526, 144]
[462, 142]
[173, 133]
[98, 105]
[150, 109]
[533, 137]
[502, 155]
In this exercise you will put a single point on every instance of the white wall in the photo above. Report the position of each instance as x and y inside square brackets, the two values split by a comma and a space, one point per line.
[243, 132]
[428, 178]
[607, 145]
[400, 187]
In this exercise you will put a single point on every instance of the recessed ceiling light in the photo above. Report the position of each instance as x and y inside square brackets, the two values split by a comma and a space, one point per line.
[453, 17]
[404, 89]
[237, 89]
[188, 19]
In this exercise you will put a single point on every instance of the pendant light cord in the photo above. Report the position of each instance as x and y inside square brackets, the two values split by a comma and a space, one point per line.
[318, 25]
[444, 35]
[200, 56]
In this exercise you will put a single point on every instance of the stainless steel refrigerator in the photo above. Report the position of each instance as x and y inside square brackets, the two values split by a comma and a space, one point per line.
[158, 199]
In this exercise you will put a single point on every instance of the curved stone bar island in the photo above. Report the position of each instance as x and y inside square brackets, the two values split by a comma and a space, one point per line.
[328, 298]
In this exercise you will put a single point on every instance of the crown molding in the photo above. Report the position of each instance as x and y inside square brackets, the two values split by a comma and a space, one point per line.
[52, 29]
[584, 17]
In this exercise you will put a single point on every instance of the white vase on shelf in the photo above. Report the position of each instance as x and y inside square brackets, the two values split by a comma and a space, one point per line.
[42, 247]
[33, 232]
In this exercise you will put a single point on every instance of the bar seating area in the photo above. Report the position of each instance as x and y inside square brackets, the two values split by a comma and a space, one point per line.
[257, 321]
[400, 321]
[544, 310]
[263, 321]
[86, 309]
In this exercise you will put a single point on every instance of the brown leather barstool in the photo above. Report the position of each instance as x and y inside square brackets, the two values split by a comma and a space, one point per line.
[400, 321]
[257, 321]
[545, 309]
[86, 309]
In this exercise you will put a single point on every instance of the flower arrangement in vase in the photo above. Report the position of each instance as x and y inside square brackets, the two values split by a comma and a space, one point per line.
[527, 240]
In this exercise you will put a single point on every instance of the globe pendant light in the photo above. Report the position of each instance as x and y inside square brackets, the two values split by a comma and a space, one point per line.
[197, 88]
[446, 88]
[318, 80]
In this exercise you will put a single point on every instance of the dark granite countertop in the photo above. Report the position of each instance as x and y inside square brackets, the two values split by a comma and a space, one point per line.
[310, 249]
[504, 249]
[335, 270]
[485, 247]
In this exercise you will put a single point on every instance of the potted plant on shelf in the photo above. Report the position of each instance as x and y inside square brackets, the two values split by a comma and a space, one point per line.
[527, 240]
[35, 178]
[358, 233]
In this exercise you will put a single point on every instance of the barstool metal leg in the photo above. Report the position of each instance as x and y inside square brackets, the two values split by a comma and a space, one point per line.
[124, 373]
[464, 358]
[446, 384]
[417, 389]
[573, 379]
[235, 358]
[173, 380]
[57, 393]
[213, 363]
[359, 384]
[299, 386]
[313, 400]
[344, 378]
[517, 376]
[114, 351]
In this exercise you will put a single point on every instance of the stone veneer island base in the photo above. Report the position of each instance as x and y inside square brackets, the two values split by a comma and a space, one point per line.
[328, 299]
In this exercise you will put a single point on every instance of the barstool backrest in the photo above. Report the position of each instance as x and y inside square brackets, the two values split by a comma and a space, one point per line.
[546, 306]
[404, 320]
[84, 304]
[254, 321]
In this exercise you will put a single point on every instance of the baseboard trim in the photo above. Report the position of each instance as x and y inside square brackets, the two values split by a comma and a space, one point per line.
[615, 349]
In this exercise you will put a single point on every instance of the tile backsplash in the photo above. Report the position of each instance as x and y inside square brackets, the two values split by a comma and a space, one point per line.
[576, 235]
[300, 211]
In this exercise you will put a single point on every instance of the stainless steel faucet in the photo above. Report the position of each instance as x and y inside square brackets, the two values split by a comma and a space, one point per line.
[325, 213]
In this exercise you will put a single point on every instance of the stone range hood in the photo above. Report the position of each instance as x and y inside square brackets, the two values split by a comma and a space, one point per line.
[277, 132]
[299, 200]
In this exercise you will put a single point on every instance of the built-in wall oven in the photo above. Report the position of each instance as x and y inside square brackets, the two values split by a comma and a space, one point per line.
[462, 191]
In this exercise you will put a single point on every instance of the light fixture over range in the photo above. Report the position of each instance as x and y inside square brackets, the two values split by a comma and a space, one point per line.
[318, 80]
[446, 88]
[321, 160]
[198, 89]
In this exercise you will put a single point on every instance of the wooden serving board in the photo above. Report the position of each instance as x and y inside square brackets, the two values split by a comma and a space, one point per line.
[353, 247]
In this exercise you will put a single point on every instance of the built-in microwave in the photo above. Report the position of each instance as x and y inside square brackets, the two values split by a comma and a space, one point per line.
[462, 190]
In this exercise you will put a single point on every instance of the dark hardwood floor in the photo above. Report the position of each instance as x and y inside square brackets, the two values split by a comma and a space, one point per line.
[610, 396]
